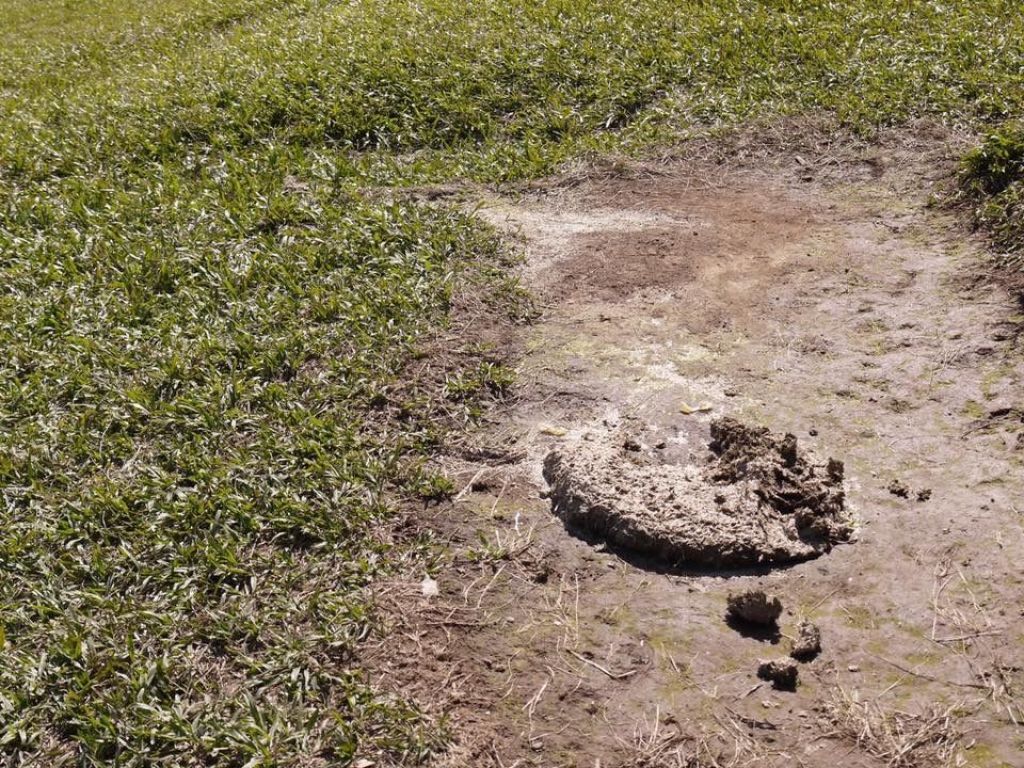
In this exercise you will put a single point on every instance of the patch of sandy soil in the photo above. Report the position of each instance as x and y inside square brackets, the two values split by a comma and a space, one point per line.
[809, 294]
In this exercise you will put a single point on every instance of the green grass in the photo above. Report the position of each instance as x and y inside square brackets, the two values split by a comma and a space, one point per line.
[209, 303]
[993, 179]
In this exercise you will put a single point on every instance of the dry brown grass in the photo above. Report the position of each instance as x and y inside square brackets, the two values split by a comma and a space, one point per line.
[660, 743]
[929, 739]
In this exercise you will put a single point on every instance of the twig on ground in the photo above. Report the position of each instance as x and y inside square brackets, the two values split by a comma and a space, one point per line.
[531, 705]
[941, 571]
[501, 494]
[752, 690]
[923, 676]
[960, 638]
[459, 496]
[595, 665]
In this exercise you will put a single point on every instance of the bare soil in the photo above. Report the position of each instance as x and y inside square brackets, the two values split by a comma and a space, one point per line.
[816, 294]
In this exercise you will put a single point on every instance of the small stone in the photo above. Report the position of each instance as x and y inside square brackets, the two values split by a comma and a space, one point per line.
[782, 673]
[853, 668]
[808, 642]
[755, 606]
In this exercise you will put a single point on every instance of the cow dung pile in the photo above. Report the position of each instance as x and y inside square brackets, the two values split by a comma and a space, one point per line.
[756, 499]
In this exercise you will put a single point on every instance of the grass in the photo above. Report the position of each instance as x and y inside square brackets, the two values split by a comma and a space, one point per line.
[992, 178]
[210, 304]
[895, 738]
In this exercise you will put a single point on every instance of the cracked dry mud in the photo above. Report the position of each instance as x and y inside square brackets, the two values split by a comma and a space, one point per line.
[758, 500]
[821, 298]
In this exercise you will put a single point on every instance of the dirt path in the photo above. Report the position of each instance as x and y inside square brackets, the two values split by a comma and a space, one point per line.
[825, 301]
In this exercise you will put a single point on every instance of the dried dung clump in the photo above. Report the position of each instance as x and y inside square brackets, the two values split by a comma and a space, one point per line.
[782, 673]
[807, 644]
[899, 488]
[755, 606]
[756, 500]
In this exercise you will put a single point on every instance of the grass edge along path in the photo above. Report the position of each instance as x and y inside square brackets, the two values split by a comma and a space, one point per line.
[207, 312]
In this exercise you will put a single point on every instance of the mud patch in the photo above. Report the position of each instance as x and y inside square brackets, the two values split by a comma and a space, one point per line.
[756, 499]
[815, 330]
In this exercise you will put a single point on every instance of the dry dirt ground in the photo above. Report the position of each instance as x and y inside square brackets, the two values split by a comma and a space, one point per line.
[812, 292]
